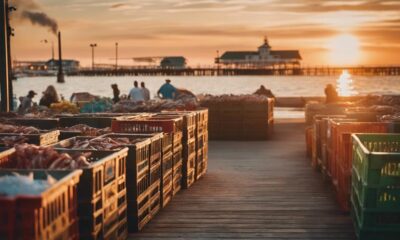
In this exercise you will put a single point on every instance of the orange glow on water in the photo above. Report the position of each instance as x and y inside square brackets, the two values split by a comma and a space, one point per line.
[344, 85]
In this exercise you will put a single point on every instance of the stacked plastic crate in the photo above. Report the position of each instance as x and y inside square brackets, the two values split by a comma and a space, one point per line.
[201, 136]
[51, 214]
[143, 177]
[171, 127]
[101, 186]
[188, 145]
[340, 161]
[375, 195]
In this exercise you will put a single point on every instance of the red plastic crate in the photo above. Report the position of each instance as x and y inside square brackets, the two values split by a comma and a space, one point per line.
[340, 155]
[343, 188]
[47, 215]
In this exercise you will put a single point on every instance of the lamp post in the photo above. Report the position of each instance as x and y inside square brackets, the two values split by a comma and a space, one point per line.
[93, 45]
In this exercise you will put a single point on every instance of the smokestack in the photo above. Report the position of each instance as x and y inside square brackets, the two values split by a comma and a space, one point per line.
[60, 75]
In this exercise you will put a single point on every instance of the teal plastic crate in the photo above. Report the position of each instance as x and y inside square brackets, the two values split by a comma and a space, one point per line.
[376, 157]
[387, 197]
[374, 219]
[373, 234]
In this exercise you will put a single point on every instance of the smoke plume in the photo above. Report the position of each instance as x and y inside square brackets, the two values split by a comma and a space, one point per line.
[41, 19]
[30, 10]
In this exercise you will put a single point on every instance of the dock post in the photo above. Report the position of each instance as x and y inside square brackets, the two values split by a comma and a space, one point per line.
[4, 75]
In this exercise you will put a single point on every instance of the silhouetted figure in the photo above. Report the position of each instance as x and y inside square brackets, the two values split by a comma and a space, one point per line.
[264, 92]
[146, 92]
[167, 90]
[136, 94]
[26, 102]
[116, 93]
[331, 94]
[49, 97]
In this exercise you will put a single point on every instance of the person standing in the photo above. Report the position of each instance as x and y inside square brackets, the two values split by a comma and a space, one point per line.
[49, 97]
[136, 94]
[264, 92]
[26, 102]
[146, 92]
[331, 94]
[167, 90]
[116, 93]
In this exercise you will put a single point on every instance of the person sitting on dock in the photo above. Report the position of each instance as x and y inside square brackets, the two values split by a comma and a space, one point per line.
[49, 97]
[167, 90]
[136, 94]
[331, 94]
[146, 92]
[26, 102]
[264, 92]
[116, 93]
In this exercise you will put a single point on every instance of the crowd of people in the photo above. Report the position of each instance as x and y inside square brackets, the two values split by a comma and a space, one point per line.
[142, 94]
[136, 94]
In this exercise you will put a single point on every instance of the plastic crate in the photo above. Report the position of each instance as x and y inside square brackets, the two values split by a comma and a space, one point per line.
[167, 142]
[341, 142]
[364, 116]
[189, 117]
[309, 137]
[166, 189]
[100, 120]
[69, 134]
[69, 142]
[188, 178]
[376, 158]
[97, 189]
[155, 198]
[44, 138]
[155, 144]
[40, 123]
[48, 215]
[146, 125]
[379, 198]
[155, 174]
[388, 220]
[177, 156]
[343, 189]
[372, 233]
[177, 141]
[177, 178]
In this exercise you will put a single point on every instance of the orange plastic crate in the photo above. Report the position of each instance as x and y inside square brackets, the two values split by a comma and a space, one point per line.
[343, 189]
[341, 153]
[309, 137]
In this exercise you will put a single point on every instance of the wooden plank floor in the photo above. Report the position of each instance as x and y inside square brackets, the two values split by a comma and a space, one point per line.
[255, 190]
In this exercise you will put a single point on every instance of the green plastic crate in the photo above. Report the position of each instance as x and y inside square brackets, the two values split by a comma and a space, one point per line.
[370, 219]
[376, 197]
[373, 234]
[376, 157]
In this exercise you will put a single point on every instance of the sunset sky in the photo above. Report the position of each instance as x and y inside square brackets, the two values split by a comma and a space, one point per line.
[327, 32]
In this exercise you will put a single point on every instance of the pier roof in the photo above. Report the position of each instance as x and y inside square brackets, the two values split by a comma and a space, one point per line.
[237, 55]
[286, 54]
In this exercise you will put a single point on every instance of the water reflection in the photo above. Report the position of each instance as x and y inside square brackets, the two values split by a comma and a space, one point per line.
[344, 85]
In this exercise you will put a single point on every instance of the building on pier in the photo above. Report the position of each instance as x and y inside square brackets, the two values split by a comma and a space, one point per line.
[264, 57]
[178, 62]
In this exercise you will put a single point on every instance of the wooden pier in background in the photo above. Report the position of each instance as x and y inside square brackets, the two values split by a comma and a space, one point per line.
[255, 190]
[215, 71]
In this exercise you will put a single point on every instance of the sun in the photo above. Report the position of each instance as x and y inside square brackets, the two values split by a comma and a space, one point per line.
[344, 49]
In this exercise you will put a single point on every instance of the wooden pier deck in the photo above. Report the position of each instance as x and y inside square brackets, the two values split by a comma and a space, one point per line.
[255, 190]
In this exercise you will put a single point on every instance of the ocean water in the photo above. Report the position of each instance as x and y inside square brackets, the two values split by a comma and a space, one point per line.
[284, 86]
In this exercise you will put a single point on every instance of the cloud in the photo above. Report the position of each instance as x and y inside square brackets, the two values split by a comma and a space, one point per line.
[118, 5]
